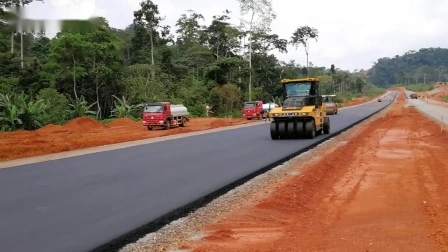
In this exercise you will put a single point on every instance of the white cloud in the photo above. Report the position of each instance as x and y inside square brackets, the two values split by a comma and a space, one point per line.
[352, 34]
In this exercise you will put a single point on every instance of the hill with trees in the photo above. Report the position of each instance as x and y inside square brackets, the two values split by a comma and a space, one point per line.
[107, 72]
[428, 65]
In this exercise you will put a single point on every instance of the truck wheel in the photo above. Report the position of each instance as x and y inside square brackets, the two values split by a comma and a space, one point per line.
[183, 121]
[167, 124]
[149, 128]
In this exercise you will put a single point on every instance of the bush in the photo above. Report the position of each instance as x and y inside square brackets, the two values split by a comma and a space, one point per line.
[445, 98]
[197, 110]
[19, 111]
[56, 106]
[225, 100]
[420, 87]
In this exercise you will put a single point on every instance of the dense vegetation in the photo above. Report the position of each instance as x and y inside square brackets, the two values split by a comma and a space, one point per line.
[421, 87]
[427, 65]
[107, 72]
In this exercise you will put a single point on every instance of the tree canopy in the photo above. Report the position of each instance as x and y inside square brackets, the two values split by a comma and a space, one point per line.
[107, 72]
[413, 67]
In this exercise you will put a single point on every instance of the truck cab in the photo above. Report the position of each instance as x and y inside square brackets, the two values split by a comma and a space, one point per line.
[156, 113]
[164, 114]
[253, 109]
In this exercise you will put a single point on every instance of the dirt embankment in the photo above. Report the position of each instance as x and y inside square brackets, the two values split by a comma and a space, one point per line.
[359, 100]
[355, 101]
[386, 189]
[84, 132]
[439, 93]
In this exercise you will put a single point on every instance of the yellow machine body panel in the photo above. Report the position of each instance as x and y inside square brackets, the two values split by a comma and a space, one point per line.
[302, 112]
[291, 111]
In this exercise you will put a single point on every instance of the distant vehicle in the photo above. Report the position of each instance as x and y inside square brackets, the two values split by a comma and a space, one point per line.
[269, 106]
[331, 106]
[164, 114]
[254, 109]
[414, 96]
[379, 99]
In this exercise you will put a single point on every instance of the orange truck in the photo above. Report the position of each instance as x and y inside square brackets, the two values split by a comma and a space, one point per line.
[164, 115]
[253, 109]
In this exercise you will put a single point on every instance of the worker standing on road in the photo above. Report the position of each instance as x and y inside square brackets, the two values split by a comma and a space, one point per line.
[269, 110]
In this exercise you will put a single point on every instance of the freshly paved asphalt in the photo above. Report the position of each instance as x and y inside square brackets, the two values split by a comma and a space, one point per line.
[79, 203]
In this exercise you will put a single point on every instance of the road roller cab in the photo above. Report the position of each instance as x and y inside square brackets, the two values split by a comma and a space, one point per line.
[302, 113]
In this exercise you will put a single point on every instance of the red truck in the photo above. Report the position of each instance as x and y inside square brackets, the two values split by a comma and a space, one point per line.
[253, 109]
[164, 114]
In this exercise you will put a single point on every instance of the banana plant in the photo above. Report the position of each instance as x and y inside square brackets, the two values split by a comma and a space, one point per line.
[18, 111]
[9, 114]
[122, 107]
[31, 112]
[79, 107]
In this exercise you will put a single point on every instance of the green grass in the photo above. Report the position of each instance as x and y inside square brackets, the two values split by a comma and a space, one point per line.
[445, 98]
[420, 87]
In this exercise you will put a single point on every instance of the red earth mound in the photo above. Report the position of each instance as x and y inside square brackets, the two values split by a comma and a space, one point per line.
[84, 123]
[124, 122]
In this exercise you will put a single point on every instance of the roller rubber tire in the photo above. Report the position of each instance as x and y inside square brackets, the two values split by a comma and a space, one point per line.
[274, 131]
[326, 126]
[282, 129]
[311, 129]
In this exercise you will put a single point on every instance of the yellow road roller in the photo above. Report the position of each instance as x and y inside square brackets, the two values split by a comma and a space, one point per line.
[302, 114]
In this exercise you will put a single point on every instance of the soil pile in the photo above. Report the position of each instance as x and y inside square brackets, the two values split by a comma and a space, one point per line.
[124, 122]
[51, 128]
[84, 124]
[220, 123]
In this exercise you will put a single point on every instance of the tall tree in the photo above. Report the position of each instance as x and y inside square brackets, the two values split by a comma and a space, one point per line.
[148, 16]
[261, 14]
[301, 36]
[188, 28]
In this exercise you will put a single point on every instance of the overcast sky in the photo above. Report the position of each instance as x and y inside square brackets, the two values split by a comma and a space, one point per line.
[352, 35]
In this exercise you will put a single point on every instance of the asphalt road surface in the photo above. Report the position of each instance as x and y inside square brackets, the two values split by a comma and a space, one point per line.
[82, 202]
